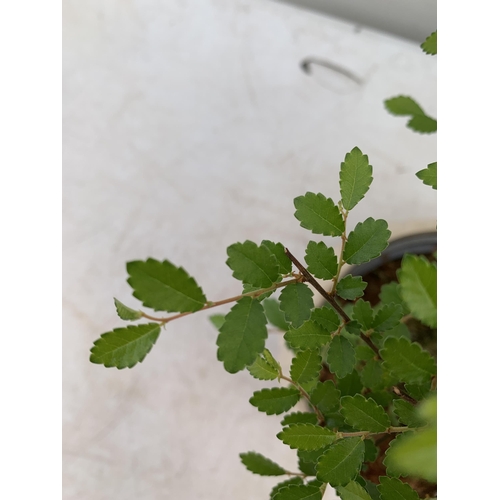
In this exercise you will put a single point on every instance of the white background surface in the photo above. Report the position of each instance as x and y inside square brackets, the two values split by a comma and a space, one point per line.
[189, 126]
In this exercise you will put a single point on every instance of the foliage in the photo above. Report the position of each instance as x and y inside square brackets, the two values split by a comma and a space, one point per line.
[382, 381]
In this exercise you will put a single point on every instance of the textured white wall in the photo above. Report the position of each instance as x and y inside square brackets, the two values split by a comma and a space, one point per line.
[189, 126]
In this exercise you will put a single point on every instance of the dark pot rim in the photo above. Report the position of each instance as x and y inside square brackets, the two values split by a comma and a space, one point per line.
[420, 243]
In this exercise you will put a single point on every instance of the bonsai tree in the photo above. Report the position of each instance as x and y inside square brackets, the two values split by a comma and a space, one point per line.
[369, 430]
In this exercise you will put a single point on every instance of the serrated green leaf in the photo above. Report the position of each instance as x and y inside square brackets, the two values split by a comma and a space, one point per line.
[274, 314]
[319, 214]
[342, 462]
[429, 46]
[429, 175]
[299, 418]
[406, 106]
[403, 106]
[387, 317]
[372, 373]
[310, 335]
[299, 492]
[306, 365]
[364, 414]
[363, 352]
[217, 320]
[407, 413]
[307, 436]
[413, 453]
[353, 491]
[407, 360]
[125, 312]
[423, 124]
[400, 330]
[371, 488]
[418, 279]
[341, 356]
[262, 370]
[284, 484]
[362, 312]
[278, 250]
[247, 288]
[382, 398]
[418, 391]
[391, 293]
[253, 264]
[164, 287]
[258, 464]
[395, 489]
[296, 302]
[366, 241]
[351, 287]
[308, 468]
[321, 260]
[124, 347]
[326, 397]
[276, 400]
[270, 359]
[242, 336]
[326, 317]
[355, 178]
[350, 384]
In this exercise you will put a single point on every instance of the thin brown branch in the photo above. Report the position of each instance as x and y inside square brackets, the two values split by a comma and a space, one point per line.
[310, 279]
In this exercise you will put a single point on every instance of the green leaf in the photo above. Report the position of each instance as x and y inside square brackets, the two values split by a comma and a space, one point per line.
[217, 320]
[326, 317]
[372, 373]
[296, 302]
[353, 491]
[262, 370]
[299, 492]
[391, 293]
[350, 384]
[341, 356]
[242, 336]
[395, 489]
[342, 462]
[319, 214]
[308, 336]
[270, 359]
[274, 314]
[364, 414]
[307, 467]
[284, 484]
[422, 123]
[307, 436]
[371, 488]
[164, 287]
[414, 453]
[387, 317]
[125, 312]
[366, 241]
[362, 312]
[429, 175]
[403, 106]
[351, 287]
[299, 418]
[124, 347]
[258, 464]
[407, 360]
[276, 400]
[253, 264]
[278, 250]
[363, 353]
[326, 397]
[407, 413]
[321, 260]
[371, 451]
[418, 279]
[400, 330]
[247, 288]
[306, 365]
[430, 44]
[418, 391]
[406, 106]
[355, 178]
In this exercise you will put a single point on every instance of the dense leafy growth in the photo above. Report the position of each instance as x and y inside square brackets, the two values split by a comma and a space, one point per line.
[361, 378]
